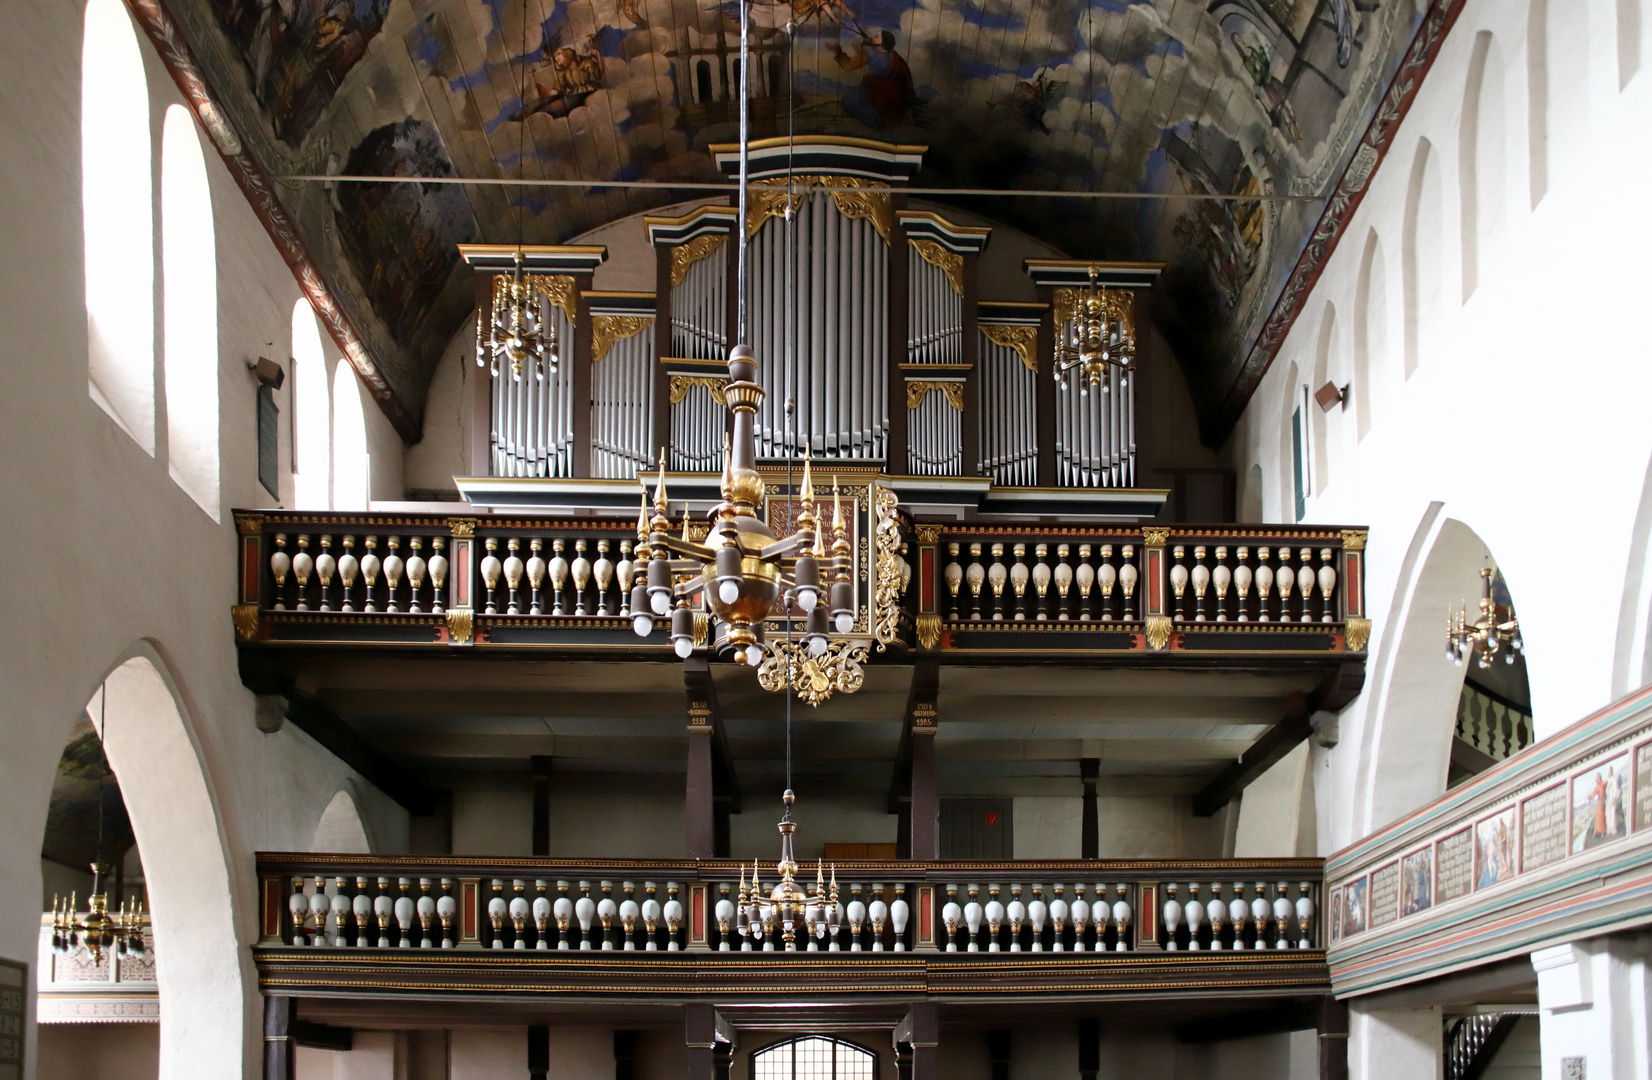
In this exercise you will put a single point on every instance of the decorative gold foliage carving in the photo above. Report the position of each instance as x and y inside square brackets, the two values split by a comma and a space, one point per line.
[929, 629]
[607, 329]
[950, 262]
[867, 199]
[928, 535]
[682, 384]
[1155, 537]
[1023, 339]
[918, 389]
[1158, 632]
[249, 524]
[886, 599]
[814, 678]
[558, 289]
[1115, 303]
[462, 527]
[686, 255]
[458, 625]
[1358, 634]
[1353, 539]
[246, 620]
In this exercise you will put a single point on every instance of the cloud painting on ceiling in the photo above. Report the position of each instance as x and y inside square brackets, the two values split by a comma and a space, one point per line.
[1210, 97]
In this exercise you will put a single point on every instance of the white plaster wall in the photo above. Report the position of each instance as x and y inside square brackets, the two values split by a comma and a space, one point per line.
[649, 826]
[115, 560]
[98, 1052]
[494, 1054]
[1047, 827]
[1150, 827]
[495, 822]
[820, 821]
[1048, 1050]
[1271, 818]
[1524, 416]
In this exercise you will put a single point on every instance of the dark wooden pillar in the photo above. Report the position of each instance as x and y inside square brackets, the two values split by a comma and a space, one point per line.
[925, 1037]
[1090, 838]
[278, 1038]
[581, 353]
[971, 420]
[700, 1033]
[539, 1052]
[480, 398]
[702, 838]
[625, 1055]
[713, 788]
[541, 766]
[1333, 1039]
[1089, 1048]
[663, 346]
[998, 1053]
[1044, 389]
[918, 758]
[896, 319]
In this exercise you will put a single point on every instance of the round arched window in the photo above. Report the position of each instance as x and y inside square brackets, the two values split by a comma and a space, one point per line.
[814, 1057]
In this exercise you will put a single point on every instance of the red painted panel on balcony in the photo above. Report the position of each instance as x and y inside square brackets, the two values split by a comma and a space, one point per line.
[250, 569]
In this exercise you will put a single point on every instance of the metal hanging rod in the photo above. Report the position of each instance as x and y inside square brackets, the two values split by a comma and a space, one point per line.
[669, 185]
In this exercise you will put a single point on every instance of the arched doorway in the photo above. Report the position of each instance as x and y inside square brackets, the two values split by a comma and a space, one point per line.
[814, 1057]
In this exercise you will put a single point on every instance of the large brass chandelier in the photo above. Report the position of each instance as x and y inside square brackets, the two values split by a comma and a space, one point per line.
[521, 335]
[1496, 630]
[1099, 337]
[95, 931]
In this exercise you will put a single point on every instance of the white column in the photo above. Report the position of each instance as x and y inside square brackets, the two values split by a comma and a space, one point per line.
[1595, 1002]
[1394, 1044]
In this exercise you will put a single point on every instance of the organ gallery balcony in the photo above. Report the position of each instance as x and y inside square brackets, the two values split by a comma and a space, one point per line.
[482, 928]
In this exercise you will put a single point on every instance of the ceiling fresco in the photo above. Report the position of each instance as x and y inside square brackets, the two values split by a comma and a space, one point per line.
[1164, 97]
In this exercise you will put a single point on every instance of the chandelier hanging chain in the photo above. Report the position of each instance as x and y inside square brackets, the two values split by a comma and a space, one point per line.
[1497, 629]
[97, 930]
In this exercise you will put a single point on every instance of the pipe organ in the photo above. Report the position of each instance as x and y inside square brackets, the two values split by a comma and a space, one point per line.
[867, 316]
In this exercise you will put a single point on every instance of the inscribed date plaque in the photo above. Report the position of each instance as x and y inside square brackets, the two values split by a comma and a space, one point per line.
[1454, 866]
[1543, 828]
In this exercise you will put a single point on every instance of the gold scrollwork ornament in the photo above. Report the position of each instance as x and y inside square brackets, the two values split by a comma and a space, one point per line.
[814, 678]
[929, 628]
[1155, 537]
[607, 329]
[886, 598]
[686, 255]
[949, 263]
[681, 384]
[246, 620]
[918, 389]
[1023, 339]
[1158, 632]
[1358, 634]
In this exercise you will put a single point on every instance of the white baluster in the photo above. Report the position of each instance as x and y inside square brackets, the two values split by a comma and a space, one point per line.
[362, 908]
[954, 575]
[340, 904]
[1018, 582]
[392, 574]
[1304, 916]
[997, 576]
[520, 912]
[425, 910]
[1121, 919]
[602, 572]
[1063, 575]
[1037, 913]
[1264, 584]
[303, 567]
[581, 570]
[1080, 916]
[629, 913]
[447, 908]
[1259, 909]
[384, 909]
[438, 576]
[899, 914]
[606, 912]
[1193, 913]
[857, 918]
[1241, 582]
[1282, 912]
[1058, 921]
[416, 567]
[280, 564]
[877, 912]
[972, 919]
[406, 913]
[994, 913]
[541, 917]
[325, 564]
[1217, 912]
[1327, 585]
[558, 570]
[1172, 917]
[1284, 579]
[585, 910]
[1017, 912]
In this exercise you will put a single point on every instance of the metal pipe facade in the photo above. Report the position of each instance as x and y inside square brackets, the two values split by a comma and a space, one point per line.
[1095, 431]
[533, 419]
[622, 414]
[1009, 416]
[699, 309]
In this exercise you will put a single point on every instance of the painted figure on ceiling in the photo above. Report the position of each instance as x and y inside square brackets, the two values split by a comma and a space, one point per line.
[1270, 90]
[577, 74]
[1033, 99]
[885, 93]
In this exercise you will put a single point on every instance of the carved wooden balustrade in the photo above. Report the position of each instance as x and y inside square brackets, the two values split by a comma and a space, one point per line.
[1153, 589]
[352, 923]
[493, 580]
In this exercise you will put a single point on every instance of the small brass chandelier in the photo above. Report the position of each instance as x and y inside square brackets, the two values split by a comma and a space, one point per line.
[520, 334]
[1098, 337]
[1496, 630]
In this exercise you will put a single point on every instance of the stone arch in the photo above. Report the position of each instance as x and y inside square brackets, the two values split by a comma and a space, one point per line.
[1412, 697]
[1632, 654]
[157, 760]
[1370, 330]
[313, 413]
[1288, 397]
[341, 829]
[1420, 250]
[189, 310]
[1319, 420]
[1480, 143]
[352, 470]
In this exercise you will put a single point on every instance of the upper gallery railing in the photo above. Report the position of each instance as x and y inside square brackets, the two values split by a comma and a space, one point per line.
[346, 913]
[494, 580]
[1550, 845]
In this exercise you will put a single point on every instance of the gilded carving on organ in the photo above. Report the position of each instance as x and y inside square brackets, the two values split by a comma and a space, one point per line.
[854, 196]
[1023, 339]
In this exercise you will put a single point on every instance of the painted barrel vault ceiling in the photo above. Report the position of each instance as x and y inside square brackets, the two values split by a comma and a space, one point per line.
[1177, 97]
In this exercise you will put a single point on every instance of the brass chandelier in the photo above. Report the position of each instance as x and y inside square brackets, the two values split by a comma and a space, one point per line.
[1097, 338]
[521, 335]
[1496, 630]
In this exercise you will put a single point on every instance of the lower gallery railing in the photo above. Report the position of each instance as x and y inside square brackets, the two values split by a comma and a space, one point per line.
[337, 912]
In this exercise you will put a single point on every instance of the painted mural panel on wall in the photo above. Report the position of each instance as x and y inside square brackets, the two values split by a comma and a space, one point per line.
[1167, 97]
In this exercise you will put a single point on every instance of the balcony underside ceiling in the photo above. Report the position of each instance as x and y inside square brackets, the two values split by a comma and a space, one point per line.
[1017, 731]
[1189, 104]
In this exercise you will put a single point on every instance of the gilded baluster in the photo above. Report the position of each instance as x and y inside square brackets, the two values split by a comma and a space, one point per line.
[1327, 585]
[303, 566]
[1284, 580]
[976, 575]
[416, 567]
[1085, 576]
[1017, 912]
[581, 571]
[994, 913]
[1304, 916]
[1242, 579]
[622, 575]
[536, 576]
[998, 576]
[1018, 581]
[438, 575]
[1107, 580]
[392, 573]
[361, 907]
[972, 919]
[1041, 581]
[1264, 584]
[325, 565]
[1221, 577]
[602, 572]
[559, 577]
[954, 576]
[1282, 912]
[498, 911]
[1200, 579]
[952, 916]
[1259, 911]
[1128, 575]
[1121, 918]
[1172, 917]
[280, 565]
[1217, 912]
[491, 569]
[369, 573]
[1178, 579]
[1193, 914]
[1305, 582]
[515, 570]
[426, 910]
[1063, 575]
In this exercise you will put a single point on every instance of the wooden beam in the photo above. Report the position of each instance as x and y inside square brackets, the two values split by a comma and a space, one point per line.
[539, 1051]
[713, 791]
[1290, 1016]
[1332, 695]
[926, 683]
[1089, 770]
[318, 1036]
[1333, 1039]
[313, 717]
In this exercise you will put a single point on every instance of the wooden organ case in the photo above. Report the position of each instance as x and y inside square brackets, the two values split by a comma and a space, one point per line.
[868, 317]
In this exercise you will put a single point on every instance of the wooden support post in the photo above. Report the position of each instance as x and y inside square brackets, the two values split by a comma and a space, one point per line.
[1333, 1039]
[663, 338]
[1089, 1048]
[1090, 831]
[998, 1053]
[713, 788]
[539, 1051]
[895, 319]
[625, 1055]
[541, 766]
[580, 352]
[700, 1033]
[702, 843]
[912, 794]
[480, 384]
[279, 1059]
[925, 1037]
